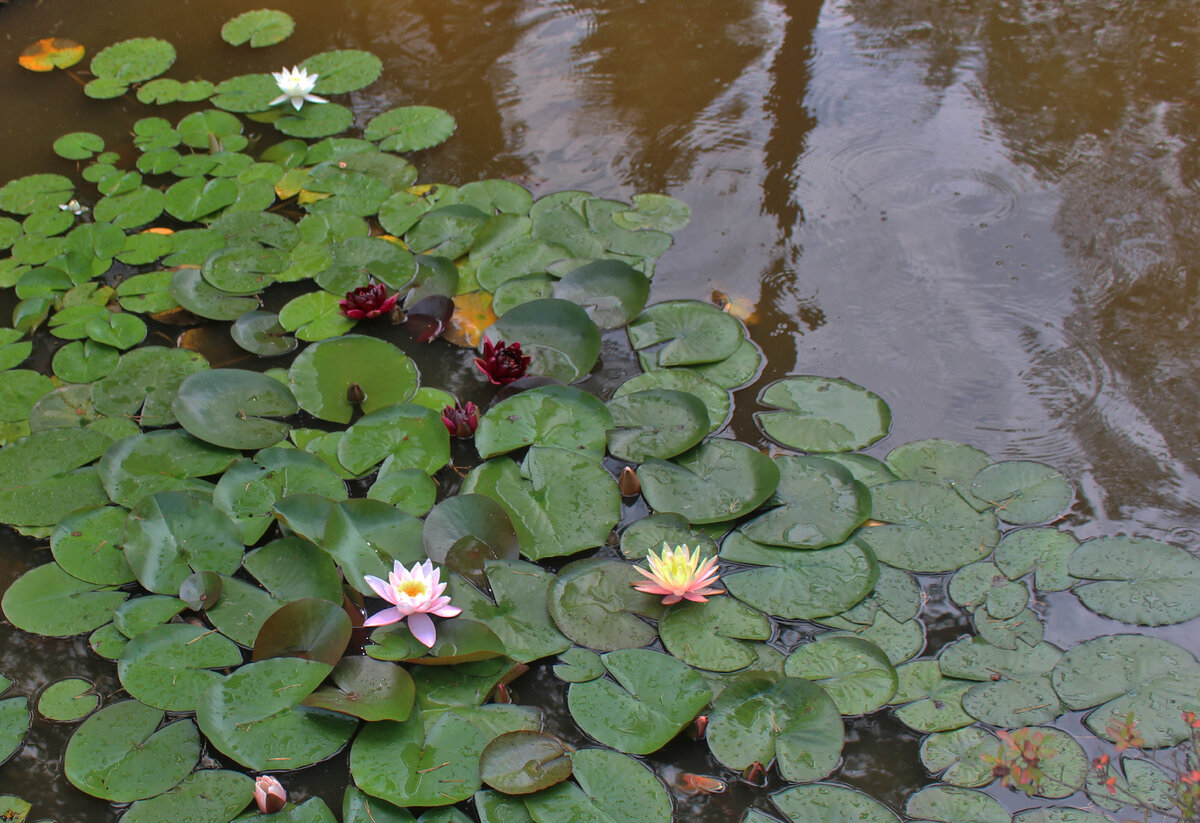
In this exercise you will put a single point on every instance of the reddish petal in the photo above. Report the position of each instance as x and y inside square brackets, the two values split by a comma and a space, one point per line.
[384, 618]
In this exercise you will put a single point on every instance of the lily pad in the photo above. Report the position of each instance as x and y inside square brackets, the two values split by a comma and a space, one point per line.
[516, 611]
[823, 414]
[1023, 491]
[249, 489]
[942, 462]
[854, 672]
[521, 762]
[691, 332]
[145, 383]
[717, 400]
[206, 796]
[14, 724]
[413, 437]
[259, 332]
[1136, 580]
[714, 635]
[263, 27]
[229, 407]
[194, 293]
[343, 70]
[609, 787]
[367, 688]
[949, 804]
[254, 716]
[67, 700]
[310, 628]
[170, 666]
[831, 803]
[559, 416]
[46, 600]
[819, 583]
[593, 602]
[559, 337]
[929, 701]
[718, 480]
[957, 757]
[612, 292]
[657, 423]
[314, 316]
[134, 61]
[323, 373]
[790, 720]
[928, 528]
[170, 534]
[982, 586]
[819, 504]
[35, 192]
[121, 754]
[651, 698]
[1150, 678]
[1045, 552]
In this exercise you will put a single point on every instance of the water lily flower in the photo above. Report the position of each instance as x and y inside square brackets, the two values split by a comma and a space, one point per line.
[297, 86]
[269, 794]
[461, 421]
[414, 594]
[502, 364]
[367, 302]
[679, 576]
[74, 206]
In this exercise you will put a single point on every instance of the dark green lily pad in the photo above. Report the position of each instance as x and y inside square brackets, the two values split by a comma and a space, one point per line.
[559, 416]
[263, 27]
[206, 796]
[611, 787]
[559, 337]
[254, 716]
[957, 757]
[229, 407]
[657, 423]
[368, 688]
[831, 803]
[982, 586]
[692, 332]
[1025, 627]
[517, 610]
[1010, 702]
[927, 700]
[145, 383]
[67, 700]
[713, 635]
[559, 502]
[928, 528]
[413, 437]
[165, 460]
[293, 568]
[170, 534]
[1060, 814]
[359, 807]
[612, 292]
[819, 504]
[941, 461]
[1136, 580]
[248, 490]
[139, 614]
[87, 544]
[469, 519]
[1045, 552]
[46, 600]
[578, 665]
[822, 414]
[35, 192]
[593, 602]
[343, 70]
[790, 720]
[737, 370]
[633, 712]
[819, 583]
[524, 761]
[39, 479]
[322, 374]
[241, 611]
[717, 400]
[1023, 491]
[854, 672]
[170, 666]
[193, 292]
[648, 534]
[121, 754]
[259, 332]
[1150, 678]
[201, 591]
[949, 804]
[718, 480]
[14, 724]
[314, 316]
[310, 628]
[366, 537]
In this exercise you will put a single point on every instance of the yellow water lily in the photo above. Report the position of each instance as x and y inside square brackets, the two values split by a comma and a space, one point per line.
[678, 575]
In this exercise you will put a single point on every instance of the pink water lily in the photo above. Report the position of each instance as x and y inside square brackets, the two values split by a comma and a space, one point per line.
[269, 794]
[414, 596]
[679, 576]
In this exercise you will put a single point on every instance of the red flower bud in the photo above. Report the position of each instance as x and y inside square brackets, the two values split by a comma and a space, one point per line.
[502, 364]
[461, 421]
[367, 302]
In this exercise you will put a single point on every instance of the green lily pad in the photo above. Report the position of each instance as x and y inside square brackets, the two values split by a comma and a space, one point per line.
[206, 796]
[201, 591]
[713, 635]
[165, 460]
[367, 688]
[559, 502]
[610, 787]
[46, 600]
[819, 583]
[612, 292]
[248, 490]
[648, 534]
[39, 479]
[1045, 552]
[1150, 678]
[229, 407]
[941, 461]
[718, 480]
[343, 70]
[121, 754]
[133, 61]
[1137, 779]
[145, 383]
[957, 757]
[657, 423]
[854, 672]
[170, 534]
[413, 437]
[927, 700]
[559, 416]
[593, 602]
[1063, 762]
[35, 192]
[822, 414]
[949, 804]
[139, 614]
[19, 390]
[446, 231]
[310, 628]
[651, 698]
[524, 761]
[194, 293]
[314, 316]
[1060, 814]
[292, 568]
[263, 27]
[67, 700]
[259, 332]
[469, 520]
[241, 611]
[366, 537]
[716, 399]
[559, 337]
[1136, 580]
[14, 724]
[691, 332]
[790, 720]
[578, 665]
[13, 349]
[516, 611]
[410, 128]
[324, 372]
[831, 803]
[928, 528]
[900, 640]
[254, 716]
[820, 504]
[170, 666]
[982, 586]
[1023, 491]
[359, 807]
[1025, 627]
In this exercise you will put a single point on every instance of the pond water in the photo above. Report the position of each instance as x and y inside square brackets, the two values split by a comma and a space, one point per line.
[985, 211]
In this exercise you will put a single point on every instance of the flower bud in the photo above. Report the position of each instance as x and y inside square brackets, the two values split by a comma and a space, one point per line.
[269, 794]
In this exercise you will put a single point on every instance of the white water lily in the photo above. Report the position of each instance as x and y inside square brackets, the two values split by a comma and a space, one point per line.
[296, 85]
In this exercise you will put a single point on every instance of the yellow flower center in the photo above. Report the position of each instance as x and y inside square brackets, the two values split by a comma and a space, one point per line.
[412, 588]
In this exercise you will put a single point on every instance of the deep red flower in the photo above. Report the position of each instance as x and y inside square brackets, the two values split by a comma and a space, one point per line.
[502, 364]
[367, 302]
[461, 421]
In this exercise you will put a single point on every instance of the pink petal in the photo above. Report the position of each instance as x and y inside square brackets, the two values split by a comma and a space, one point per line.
[380, 587]
[384, 618]
[446, 611]
[651, 588]
[671, 598]
[694, 597]
[422, 628]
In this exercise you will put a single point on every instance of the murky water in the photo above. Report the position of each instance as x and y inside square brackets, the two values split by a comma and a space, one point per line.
[987, 211]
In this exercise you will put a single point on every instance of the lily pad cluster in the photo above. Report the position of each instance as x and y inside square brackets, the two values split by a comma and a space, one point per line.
[211, 529]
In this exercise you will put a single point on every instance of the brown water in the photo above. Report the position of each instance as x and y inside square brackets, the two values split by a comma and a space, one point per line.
[987, 211]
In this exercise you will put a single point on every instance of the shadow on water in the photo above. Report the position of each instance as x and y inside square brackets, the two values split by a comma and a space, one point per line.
[985, 211]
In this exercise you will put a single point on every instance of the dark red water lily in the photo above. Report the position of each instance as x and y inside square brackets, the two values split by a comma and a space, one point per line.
[461, 421]
[367, 302]
[502, 364]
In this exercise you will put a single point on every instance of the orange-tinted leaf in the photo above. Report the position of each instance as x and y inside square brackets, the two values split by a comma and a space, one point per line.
[51, 53]
[472, 314]
[157, 230]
